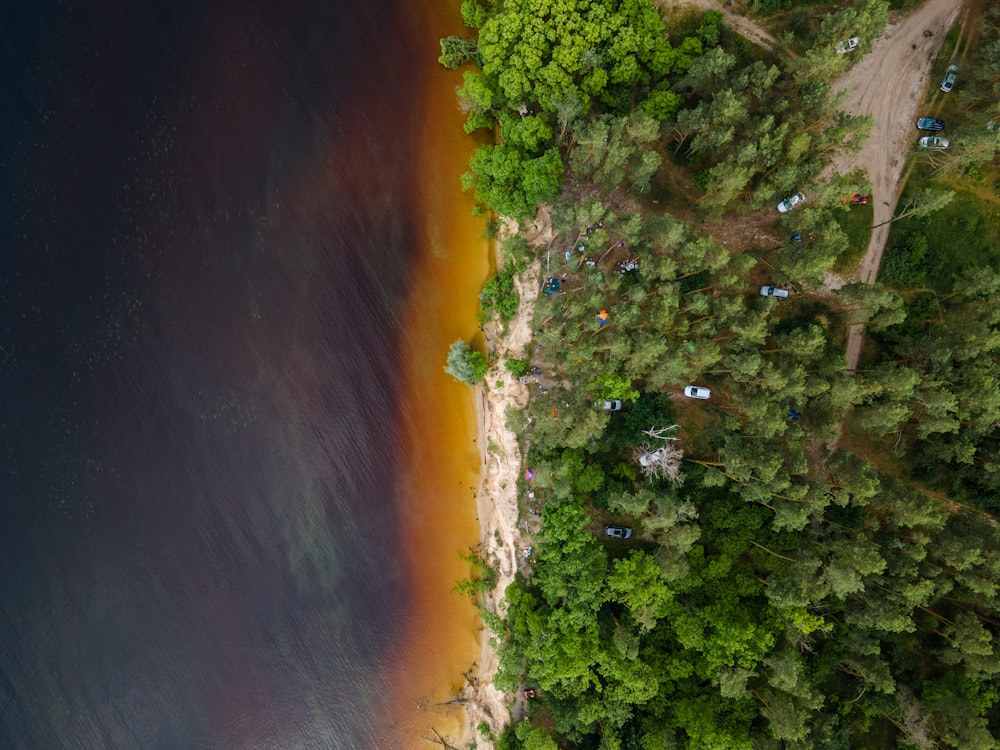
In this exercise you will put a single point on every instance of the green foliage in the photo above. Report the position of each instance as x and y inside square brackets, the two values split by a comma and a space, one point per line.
[744, 130]
[866, 19]
[474, 13]
[610, 385]
[516, 251]
[662, 103]
[481, 581]
[541, 50]
[543, 64]
[533, 738]
[933, 250]
[907, 262]
[499, 296]
[516, 367]
[772, 6]
[710, 28]
[856, 225]
[529, 133]
[511, 183]
[782, 596]
[456, 51]
[609, 149]
[465, 364]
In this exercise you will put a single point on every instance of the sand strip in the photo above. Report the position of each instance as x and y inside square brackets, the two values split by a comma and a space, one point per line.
[497, 500]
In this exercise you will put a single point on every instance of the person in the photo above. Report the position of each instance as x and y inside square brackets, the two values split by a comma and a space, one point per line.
[529, 693]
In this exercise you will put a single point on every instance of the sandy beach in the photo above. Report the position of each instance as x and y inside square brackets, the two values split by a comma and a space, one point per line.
[497, 500]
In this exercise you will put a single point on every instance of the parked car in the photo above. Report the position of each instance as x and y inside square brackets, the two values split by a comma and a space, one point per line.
[774, 291]
[797, 245]
[949, 78]
[697, 391]
[628, 265]
[848, 45]
[651, 458]
[610, 404]
[790, 202]
[930, 123]
[934, 142]
[618, 532]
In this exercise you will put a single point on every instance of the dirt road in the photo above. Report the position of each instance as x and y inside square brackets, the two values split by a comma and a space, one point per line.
[740, 24]
[889, 84]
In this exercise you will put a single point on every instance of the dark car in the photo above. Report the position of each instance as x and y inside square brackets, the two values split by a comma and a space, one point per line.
[797, 245]
[618, 532]
[930, 123]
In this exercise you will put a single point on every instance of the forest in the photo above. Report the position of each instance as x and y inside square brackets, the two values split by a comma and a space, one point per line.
[815, 560]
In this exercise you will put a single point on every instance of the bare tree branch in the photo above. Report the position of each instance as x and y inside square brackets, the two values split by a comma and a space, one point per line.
[664, 461]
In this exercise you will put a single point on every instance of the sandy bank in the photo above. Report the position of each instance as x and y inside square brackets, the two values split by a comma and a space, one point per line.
[497, 500]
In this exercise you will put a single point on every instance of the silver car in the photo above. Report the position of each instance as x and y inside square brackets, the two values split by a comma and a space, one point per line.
[774, 291]
[790, 202]
[949, 78]
[618, 532]
[935, 142]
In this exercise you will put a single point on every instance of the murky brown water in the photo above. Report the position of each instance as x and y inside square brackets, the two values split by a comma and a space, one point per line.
[235, 476]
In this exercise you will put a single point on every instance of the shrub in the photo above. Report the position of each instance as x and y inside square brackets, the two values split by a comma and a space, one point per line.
[465, 364]
[499, 297]
[906, 261]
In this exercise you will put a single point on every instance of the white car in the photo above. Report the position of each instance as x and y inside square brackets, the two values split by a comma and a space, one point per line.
[647, 459]
[697, 391]
[848, 45]
[610, 404]
[790, 202]
[773, 291]
[618, 532]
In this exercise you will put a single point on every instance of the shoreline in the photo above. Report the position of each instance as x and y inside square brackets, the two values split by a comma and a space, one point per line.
[497, 498]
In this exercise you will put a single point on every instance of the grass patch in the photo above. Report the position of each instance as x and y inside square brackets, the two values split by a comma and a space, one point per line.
[904, 4]
[857, 225]
[931, 251]
[943, 59]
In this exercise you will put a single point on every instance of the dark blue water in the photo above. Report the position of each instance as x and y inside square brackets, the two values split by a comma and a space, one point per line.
[204, 217]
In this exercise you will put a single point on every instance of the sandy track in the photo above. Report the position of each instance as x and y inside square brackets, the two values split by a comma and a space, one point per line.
[742, 25]
[889, 84]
